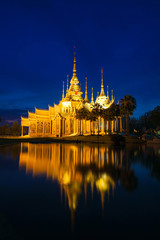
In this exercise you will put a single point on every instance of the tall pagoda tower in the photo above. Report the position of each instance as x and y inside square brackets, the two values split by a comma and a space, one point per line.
[74, 92]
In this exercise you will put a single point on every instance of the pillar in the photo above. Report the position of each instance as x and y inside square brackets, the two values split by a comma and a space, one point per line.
[64, 126]
[36, 128]
[69, 126]
[103, 122]
[50, 130]
[43, 128]
[120, 124]
[90, 126]
[112, 126]
[107, 126]
[115, 124]
[85, 124]
[60, 128]
[22, 131]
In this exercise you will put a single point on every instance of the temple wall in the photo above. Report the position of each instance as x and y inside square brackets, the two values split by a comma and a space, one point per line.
[57, 126]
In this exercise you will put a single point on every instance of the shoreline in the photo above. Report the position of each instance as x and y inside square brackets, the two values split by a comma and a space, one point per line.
[106, 139]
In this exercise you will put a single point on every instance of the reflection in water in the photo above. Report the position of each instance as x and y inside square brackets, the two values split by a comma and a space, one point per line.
[77, 166]
[86, 175]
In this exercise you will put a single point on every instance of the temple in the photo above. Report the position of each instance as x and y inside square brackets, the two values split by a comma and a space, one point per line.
[59, 120]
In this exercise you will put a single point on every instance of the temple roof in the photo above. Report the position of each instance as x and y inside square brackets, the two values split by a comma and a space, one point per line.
[102, 99]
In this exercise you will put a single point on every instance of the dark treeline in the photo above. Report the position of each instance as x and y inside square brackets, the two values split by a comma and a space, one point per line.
[14, 130]
[148, 123]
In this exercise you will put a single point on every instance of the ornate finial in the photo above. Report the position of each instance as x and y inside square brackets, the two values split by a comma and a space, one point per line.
[101, 77]
[102, 87]
[92, 100]
[86, 87]
[112, 95]
[86, 83]
[67, 83]
[74, 64]
[86, 94]
[63, 91]
[107, 92]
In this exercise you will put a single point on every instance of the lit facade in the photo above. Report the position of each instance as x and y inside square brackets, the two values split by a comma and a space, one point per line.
[59, 120]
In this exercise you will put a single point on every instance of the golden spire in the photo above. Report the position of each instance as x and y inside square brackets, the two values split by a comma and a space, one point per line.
[74, 89]
[107, 92]
[74, 65]
[67, 83]
[86, 94]
[112, 95]
[102, 87]
[92, 100]
[63, 91]
[86, 86]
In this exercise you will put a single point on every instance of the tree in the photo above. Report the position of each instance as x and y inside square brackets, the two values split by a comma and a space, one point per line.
[5, 130]
[155, 117]
[16, 129]
[127, 106]
[91, 116]
[108, 115]
[81, 114]
[116, 113]
[97, 113]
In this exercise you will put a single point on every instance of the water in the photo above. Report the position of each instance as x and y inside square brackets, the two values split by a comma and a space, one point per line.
[77, 191]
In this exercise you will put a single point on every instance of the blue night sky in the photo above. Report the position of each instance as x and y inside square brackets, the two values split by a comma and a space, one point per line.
[37, 44]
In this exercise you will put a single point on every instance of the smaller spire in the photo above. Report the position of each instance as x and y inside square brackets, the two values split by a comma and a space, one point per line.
[67, 84]
[92, 100]
[74, 65]
[112, 94]
[86, 93]
[107, 92]
[86, 83]
[102, 87]
[97, 94]
[63, 92]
